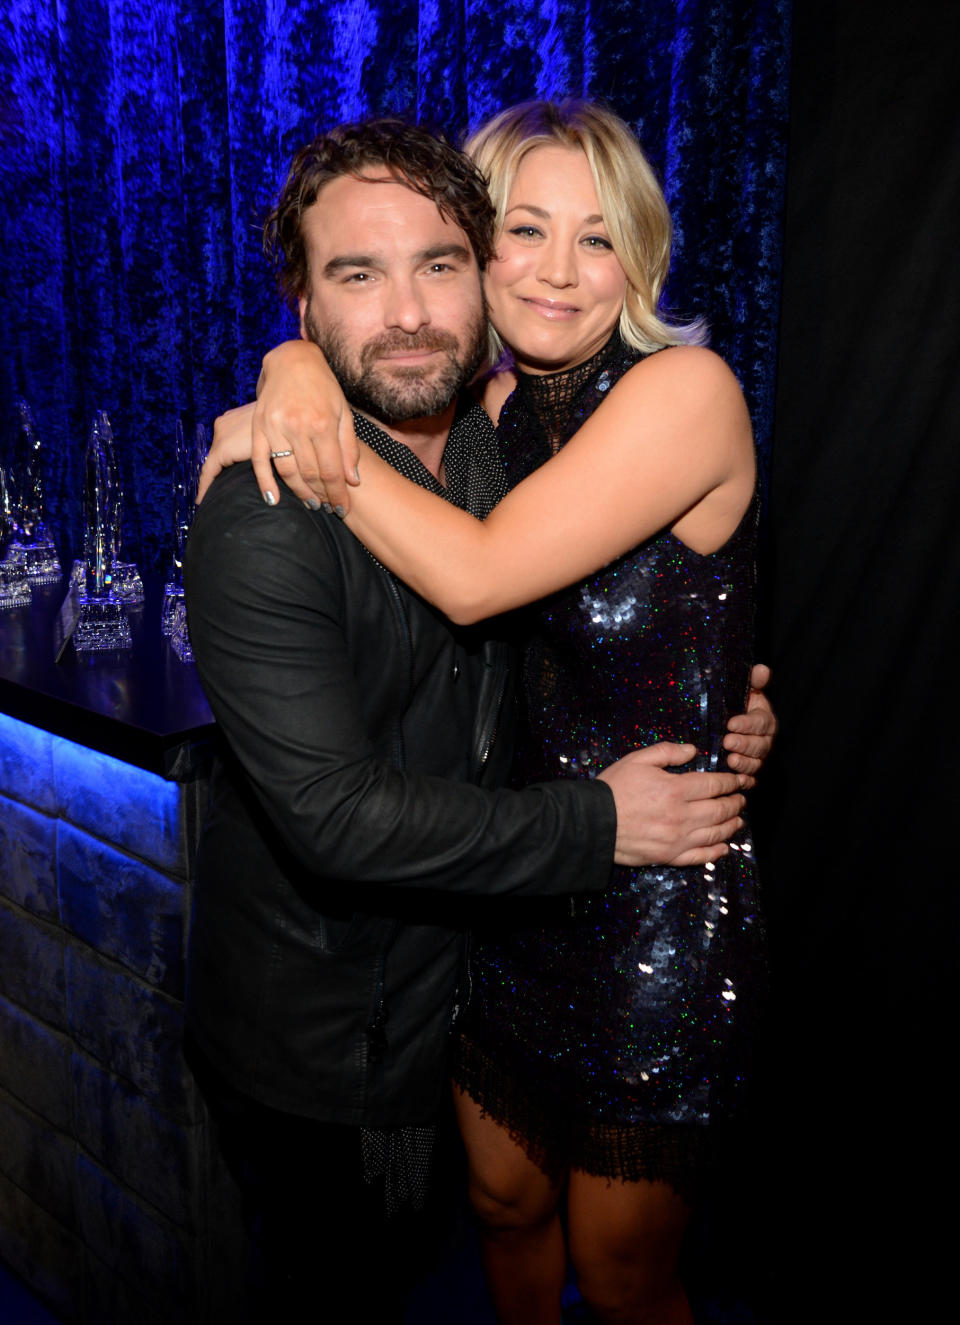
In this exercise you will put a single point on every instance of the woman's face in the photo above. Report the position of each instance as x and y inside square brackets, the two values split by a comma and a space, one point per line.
[555, 288]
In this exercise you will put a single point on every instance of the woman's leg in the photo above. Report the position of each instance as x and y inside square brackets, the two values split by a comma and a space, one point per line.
[624, 1243]
[521, 1240]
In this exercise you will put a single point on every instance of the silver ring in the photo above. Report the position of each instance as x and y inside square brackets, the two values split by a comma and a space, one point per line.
[278, 455]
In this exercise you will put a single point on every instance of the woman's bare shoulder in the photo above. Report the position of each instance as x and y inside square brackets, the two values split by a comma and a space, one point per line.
[687, 381]
[689, 366]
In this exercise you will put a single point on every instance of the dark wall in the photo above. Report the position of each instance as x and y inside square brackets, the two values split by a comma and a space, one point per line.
[858, 811]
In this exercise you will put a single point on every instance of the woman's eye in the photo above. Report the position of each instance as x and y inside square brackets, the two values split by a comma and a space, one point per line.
[525, 231]
[598, 242]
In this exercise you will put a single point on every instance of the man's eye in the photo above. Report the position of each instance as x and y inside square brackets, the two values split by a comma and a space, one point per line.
[357, 278]
[440, 266]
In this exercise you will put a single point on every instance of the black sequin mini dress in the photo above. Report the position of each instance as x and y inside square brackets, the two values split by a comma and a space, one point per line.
[609, 1036]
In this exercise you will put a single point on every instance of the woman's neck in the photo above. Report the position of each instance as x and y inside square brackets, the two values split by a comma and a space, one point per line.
[550, 396]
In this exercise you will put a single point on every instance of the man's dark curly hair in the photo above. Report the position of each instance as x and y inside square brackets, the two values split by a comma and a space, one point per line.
[425, 162]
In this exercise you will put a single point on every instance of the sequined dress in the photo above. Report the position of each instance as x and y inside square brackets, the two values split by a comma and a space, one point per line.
[608, 1038]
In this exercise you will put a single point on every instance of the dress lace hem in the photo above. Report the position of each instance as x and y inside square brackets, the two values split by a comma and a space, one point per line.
[677, 1154]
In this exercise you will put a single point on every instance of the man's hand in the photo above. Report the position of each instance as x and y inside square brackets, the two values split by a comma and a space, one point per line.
[301, 410]
[669, 819]
[750, 735]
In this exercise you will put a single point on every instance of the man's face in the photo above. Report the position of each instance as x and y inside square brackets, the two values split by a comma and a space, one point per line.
[395, 301]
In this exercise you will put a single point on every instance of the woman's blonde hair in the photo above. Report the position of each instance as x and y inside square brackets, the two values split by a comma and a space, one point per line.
[631, 200]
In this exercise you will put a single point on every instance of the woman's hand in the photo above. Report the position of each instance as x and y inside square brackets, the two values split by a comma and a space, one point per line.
[300, 413]
[301, 410]
[231, 442]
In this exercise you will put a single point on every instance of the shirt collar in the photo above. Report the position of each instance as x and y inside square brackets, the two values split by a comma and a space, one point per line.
[471, 424]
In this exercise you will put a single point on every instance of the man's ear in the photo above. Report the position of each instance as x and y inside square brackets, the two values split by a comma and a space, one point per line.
[302, 306]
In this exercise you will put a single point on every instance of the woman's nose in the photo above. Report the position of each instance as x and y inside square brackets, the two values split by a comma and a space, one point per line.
[557, 264]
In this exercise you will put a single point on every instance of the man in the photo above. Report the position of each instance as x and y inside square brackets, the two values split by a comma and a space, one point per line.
[356, 801]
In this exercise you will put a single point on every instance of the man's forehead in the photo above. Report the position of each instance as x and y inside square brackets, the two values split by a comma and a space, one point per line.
[378, 202]
[379, 175]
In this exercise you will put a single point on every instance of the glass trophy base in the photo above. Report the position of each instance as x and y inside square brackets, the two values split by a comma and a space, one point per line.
[102, 624]
[125, 582]
[181, 647]
[179, 635]
[172, 598]
[15, 588]
[41, 563]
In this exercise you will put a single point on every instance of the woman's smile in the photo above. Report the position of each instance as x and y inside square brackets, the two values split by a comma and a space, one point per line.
[551, 308]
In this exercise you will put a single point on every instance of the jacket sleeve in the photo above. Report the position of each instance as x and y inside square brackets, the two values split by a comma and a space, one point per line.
[267, 626]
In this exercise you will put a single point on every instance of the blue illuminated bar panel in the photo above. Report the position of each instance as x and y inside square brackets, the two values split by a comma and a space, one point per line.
[111, 1199]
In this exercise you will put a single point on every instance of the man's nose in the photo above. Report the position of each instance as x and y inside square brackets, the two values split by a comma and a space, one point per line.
[405, 306]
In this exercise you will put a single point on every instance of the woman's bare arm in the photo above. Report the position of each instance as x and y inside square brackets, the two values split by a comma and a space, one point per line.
[301, 412]
[669, 448]
[750, 735]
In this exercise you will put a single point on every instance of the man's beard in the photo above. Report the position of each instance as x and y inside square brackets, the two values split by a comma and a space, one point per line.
[400, 394]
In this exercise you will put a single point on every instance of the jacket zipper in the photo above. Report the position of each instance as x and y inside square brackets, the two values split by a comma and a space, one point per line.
[487, 733]
[376, 1026]
[407, 644]
[464, 983]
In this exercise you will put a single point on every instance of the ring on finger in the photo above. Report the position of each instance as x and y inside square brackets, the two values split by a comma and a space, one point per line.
[278, 455]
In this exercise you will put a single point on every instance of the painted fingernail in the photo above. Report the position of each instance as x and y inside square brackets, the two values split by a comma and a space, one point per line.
[338, 510]
[270, 498]
[312, 504]
[327, 508]
[356, 473]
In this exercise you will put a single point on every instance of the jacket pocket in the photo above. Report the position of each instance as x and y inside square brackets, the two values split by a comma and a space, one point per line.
[336, 933]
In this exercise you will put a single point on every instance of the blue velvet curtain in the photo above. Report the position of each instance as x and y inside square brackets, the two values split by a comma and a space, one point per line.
[142, 143]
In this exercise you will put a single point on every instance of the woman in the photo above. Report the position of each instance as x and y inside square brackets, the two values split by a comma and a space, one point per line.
[597, 1049]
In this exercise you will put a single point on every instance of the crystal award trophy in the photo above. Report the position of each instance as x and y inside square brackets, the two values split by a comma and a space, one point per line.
[124, 577]
[14, 585]
[188, 459]
[41, 563]
[102, 623]
[179, 634]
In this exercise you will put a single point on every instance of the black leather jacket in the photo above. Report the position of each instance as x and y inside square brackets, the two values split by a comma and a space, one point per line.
[357, 799]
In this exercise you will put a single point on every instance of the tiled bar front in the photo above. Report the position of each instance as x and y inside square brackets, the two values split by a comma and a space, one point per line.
[112, 1205]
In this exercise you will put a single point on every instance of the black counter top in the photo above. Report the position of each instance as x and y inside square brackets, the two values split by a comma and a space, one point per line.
[142, 705]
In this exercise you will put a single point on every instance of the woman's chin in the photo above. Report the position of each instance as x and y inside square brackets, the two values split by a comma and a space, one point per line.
[553, 357]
